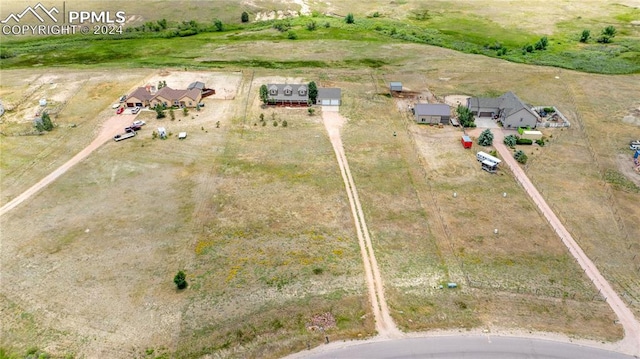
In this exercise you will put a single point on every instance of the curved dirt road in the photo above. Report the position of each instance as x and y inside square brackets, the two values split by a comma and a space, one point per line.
[384, 323]
[110, 128]
[631, 342]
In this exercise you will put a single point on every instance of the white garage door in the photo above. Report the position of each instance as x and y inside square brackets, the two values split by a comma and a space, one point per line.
[325, 102]
[335, 102]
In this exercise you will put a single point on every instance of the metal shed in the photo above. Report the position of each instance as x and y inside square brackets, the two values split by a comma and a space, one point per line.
[395, 86]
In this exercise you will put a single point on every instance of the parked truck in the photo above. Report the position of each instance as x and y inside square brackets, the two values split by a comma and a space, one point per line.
[124, 136]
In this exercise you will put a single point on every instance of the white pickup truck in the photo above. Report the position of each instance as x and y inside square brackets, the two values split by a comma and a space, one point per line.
[124, 136]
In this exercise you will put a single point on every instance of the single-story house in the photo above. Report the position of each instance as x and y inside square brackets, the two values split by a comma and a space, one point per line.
[329, 97]
[196, 85]
[286, 94]
[141, 97]
[432, 113]
[395, 86]
[181, 98]
[508, 109]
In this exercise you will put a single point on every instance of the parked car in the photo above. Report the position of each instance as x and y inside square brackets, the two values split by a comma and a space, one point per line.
[139, 123]
[123, 97]
[132, 129]
[115, 105]
[135, 110]
[120, 110]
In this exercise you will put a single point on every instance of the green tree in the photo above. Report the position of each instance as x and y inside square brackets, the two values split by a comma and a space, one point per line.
[349, 19]
[160, 112]
[264, 95]
[311, 111]
[180, 280]
[465, 116]
[510, 140]
[218, 25]
[486, 138]
[586, 34]
[244, 17]
[313, 92]
[609, 31]
[47, 125]
[185, 111]
[291, 35]
[521, 157]
[172, 114]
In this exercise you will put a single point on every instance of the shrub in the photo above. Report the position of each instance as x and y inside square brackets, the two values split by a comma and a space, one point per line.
[549, 110]
[584, 37]
[311, 111]
[540, 142]
[275, 123]
[180, 280]
[311, 25]
[510, 140]
[349, 19]
[609, 31]
[327, 25]
[376, 14]
[47, 125]
[218, 25]
[244, 17]
[291, 35]
[521, 157]
[284, 123]
[185, 111]
[524, 141]
[485, 138]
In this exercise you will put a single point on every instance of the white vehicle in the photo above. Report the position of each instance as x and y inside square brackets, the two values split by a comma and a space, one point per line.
[115, 105]
[135, 110]
[634, 145]
[482, 156]
[138, 123]
[124, 136]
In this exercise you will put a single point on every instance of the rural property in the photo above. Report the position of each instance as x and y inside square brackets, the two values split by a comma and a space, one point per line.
[261, 179]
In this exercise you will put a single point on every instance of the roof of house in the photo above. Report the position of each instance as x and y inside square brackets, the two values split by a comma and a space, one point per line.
[511, 103]
[329, 93]
[432, 109]
[295, 95]
[140, 93]
[196, 85]
[175, 95]
[508, 102]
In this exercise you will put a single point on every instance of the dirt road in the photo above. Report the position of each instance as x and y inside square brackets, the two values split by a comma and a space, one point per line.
[110, 128]
[384, 323]
[631, 342]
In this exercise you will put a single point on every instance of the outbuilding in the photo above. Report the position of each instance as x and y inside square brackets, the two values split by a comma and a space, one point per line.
[329, 97]
[466, 141]
[395, 86]
[432, 113]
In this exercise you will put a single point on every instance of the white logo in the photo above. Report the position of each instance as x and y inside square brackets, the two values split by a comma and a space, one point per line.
[34, 12]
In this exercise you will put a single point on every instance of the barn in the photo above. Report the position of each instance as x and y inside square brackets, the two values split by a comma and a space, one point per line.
[432, 113]
[329, 97]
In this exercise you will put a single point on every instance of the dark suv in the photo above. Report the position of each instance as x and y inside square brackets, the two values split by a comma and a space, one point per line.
[132, 128]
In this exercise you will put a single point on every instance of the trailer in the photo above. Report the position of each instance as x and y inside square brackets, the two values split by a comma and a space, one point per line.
[482, 156]
[466, 141]
[489, 166]
[124, 136]
[532, 135]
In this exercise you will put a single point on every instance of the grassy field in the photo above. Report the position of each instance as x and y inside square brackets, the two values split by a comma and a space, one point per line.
[256, 214]
[473, 27]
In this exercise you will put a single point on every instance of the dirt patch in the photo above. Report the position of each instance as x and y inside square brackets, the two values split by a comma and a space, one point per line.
[628, 168]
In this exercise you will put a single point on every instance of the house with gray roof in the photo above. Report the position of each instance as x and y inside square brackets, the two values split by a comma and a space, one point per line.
[432, 113]
[288, 94]
[508, 109]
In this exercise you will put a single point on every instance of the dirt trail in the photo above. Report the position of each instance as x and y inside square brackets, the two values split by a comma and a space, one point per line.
[109, 129]
[384, 323]
[631, 342]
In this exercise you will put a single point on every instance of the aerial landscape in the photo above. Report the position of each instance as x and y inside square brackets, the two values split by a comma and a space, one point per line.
[280, 178]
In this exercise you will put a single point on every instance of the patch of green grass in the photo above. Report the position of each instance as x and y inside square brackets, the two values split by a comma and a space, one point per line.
[620, 182]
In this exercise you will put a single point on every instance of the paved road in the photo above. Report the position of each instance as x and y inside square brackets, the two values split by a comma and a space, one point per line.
[110, 128]
[472, 347]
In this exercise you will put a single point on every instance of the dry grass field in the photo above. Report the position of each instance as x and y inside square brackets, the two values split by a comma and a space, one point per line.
[255, 212]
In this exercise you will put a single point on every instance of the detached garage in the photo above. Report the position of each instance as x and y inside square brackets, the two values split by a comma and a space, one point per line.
[329, 97]
[432, 113]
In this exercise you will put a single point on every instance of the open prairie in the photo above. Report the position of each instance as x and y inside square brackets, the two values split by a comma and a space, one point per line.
[252, 206]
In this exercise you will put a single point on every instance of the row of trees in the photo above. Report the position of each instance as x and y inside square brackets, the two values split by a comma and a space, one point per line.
[486, 139]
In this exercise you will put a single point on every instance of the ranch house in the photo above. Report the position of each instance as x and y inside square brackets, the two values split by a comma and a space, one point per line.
[508, 109]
